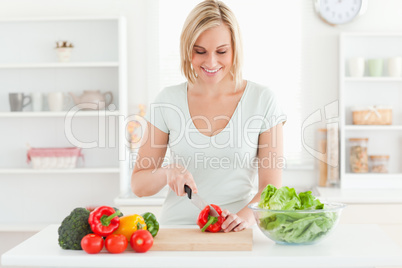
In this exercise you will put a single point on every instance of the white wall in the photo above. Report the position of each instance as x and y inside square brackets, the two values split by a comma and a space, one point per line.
[320, 45]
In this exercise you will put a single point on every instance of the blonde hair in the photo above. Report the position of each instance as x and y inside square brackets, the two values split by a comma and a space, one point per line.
[206, 15]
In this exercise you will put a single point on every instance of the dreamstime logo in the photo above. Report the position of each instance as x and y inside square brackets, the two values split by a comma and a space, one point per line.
[238, 133]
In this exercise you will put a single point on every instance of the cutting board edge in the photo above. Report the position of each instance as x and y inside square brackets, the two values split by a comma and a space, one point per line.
[233, 241]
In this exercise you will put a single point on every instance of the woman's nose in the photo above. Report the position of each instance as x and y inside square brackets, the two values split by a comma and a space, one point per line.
[211, 60]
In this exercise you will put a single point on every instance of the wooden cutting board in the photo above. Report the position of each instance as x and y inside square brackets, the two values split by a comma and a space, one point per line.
[194, 240]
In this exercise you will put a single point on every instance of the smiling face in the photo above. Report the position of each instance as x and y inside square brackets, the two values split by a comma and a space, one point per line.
[212, 57]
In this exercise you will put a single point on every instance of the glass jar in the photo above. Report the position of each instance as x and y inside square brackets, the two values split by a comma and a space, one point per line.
[379, 163]
[358, 155]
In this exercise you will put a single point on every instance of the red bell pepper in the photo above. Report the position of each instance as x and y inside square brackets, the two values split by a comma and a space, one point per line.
[210, 223]
[104, 220]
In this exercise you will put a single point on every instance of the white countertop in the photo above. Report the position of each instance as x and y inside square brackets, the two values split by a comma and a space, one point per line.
[360, 196]
[349, 246]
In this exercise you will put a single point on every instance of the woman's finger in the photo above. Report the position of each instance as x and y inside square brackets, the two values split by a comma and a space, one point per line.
[233, 224]
[241, 226]
[225, 213]
[189, 180]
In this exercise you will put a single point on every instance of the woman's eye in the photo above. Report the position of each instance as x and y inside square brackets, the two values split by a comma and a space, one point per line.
[200, 52]
[221, 52]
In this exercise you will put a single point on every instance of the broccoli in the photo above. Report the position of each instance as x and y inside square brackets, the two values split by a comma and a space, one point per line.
[73, 228]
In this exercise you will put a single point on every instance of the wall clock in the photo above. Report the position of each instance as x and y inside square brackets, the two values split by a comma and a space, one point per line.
[336, 12]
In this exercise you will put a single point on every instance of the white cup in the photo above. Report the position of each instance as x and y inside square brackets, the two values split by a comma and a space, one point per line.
[356, 66]
[57, 101]
[37, 101]
[395, 66]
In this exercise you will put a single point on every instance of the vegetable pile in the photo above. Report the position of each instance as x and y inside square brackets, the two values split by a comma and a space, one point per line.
[106, 226]
[293, 227]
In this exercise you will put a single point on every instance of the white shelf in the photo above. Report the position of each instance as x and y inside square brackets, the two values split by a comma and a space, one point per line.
[110, 170]
[59, 65]
[373, 127]
[58, 114]
[55, 19]
[373, 79]
[367, 180]
[18, 227]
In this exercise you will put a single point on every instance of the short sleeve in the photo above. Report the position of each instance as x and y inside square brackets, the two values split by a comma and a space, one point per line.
[273, 113]
[155, 113]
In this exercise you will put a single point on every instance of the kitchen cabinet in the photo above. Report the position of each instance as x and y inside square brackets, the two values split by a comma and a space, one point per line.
[29, 64]
[370, 91]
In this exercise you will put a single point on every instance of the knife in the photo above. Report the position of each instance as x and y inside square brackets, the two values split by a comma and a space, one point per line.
[198, 201]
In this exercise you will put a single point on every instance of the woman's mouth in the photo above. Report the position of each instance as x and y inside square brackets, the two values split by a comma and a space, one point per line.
[211, 72]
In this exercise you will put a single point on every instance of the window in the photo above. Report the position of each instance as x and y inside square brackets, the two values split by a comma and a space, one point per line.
[272, 55]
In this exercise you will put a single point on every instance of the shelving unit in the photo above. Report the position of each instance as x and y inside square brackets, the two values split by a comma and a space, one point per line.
[98, 62]
[370, 91]
[29, 63]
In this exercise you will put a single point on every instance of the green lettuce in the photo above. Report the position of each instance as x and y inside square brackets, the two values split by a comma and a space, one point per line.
[294, 227]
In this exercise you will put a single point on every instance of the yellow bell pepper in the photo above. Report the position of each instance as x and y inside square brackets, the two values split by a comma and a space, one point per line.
[129, 224]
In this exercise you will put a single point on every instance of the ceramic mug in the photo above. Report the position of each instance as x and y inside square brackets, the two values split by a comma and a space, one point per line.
[17, 101]
[37, 101]
[395, 66]
[356, 66]
[375, 67]
[57, 101]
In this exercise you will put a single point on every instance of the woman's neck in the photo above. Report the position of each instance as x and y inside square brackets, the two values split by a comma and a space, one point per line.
[226, 86]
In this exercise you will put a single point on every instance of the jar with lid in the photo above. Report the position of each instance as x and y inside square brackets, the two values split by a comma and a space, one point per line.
[379, 163]
[358, 155]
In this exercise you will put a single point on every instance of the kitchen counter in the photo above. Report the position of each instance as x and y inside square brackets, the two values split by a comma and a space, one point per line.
[359, 196]
[351, 245]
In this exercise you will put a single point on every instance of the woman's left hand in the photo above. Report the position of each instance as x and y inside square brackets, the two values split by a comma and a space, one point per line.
[233, 222]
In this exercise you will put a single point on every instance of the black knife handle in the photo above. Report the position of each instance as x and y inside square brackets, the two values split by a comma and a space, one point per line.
[188, 190]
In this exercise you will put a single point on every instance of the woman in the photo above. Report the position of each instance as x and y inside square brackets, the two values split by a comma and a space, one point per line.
[219, 128]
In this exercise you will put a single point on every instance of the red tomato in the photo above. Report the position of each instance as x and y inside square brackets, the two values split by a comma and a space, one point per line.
[116, 243]
[92, 243]
[141, 241]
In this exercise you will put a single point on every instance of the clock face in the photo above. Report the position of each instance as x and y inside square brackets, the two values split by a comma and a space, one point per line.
[338, 11]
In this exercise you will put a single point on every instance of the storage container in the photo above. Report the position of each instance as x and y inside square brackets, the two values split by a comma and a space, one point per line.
[333, 153]
[379, 163]
[358, 155]
[372, 115]
[54, 158]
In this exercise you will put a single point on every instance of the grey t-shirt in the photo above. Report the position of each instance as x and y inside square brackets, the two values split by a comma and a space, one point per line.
[224, 166]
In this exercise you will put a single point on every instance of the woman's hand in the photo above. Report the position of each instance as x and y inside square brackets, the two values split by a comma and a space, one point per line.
[233, 222]
[177, 177]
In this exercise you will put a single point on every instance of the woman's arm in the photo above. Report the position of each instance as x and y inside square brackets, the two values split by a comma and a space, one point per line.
[148, 176]
[270, 163]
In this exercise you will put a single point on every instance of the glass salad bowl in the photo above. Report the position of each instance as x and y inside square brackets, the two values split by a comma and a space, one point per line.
[297, 227]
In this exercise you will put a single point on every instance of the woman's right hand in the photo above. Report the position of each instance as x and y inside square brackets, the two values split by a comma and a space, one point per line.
[177, 177]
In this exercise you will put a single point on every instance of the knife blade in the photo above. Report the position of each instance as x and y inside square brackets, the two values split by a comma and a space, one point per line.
[198, 201]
